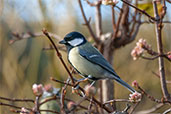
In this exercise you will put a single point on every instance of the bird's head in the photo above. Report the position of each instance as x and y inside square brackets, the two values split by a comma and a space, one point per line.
[73, 39]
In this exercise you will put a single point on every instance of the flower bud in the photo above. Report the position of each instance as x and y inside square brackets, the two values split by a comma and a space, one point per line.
[24, 111]
[135, 83]
[37, 89]
[135, 97]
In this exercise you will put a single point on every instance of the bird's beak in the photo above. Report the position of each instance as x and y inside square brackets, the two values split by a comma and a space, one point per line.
[62, 42]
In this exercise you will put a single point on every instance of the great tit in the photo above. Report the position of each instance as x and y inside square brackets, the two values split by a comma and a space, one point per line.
[88, 61]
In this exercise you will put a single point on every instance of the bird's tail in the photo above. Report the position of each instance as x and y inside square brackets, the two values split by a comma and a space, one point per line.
[132, 90]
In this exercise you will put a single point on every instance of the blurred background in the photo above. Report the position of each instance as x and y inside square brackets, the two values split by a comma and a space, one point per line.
[24, 63]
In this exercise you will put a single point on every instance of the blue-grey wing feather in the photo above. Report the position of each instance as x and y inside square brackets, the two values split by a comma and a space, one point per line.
[94, 56]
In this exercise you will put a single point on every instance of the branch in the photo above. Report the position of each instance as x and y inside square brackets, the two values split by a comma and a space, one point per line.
[151, 97]
[36, 106]
[148, 22]
[58, 54]
[13, 106]
[94, 100]
[116, 100]
[20, 36]
[155, 57]
[117, 26]
[113, 18]
[17, 100]
[62, 98]
[158, 28]
[87, 23]
[98, 21]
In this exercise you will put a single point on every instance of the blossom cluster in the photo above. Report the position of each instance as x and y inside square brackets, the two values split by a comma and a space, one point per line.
[139, 49]
[45, 91]
[135, 97]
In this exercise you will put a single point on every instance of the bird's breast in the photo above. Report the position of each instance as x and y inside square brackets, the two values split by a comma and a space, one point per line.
[84, 66]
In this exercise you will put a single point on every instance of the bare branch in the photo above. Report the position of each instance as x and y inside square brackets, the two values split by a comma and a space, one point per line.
[116, 100]
[13, 106]
[20, 36]
[158, 28]
[59, 55]
[17, 100]
[151, 97]
[87, 23]
[98, 21]
[155, 57]
[62, 98]
[113, 18]
[148, 22]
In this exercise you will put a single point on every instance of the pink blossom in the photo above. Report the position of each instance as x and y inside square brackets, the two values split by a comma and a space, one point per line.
[139, 49]
[37, 89]
[135, 83]
[24, 111]
[135, 97]
[169, 56]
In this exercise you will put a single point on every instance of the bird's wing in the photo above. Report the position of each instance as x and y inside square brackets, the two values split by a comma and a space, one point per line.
[94, 56]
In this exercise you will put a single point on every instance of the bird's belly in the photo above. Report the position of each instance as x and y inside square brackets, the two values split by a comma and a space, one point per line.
[84, 66]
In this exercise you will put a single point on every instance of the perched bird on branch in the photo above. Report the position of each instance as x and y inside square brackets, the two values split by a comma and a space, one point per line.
[88, 61]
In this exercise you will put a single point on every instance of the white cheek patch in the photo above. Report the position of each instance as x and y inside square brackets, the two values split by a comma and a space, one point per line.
[75, 41]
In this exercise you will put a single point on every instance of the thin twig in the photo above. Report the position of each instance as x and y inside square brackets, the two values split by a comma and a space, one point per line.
[98, 22]
[148, 22]
[117, 26]
[63, 93]
[94, 100]
[17, 100]
[59, 55]
[151, 97]
[13, 106]
[36, 106]
[53, 79]
[20, 36]
[158, 28]
[116, 100]
[113, 18]
[90, 105]
[87, 23]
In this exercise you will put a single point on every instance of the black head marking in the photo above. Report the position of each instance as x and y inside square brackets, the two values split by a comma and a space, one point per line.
[73, 39]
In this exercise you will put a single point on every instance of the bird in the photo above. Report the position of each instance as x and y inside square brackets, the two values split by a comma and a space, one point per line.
[88, 61]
